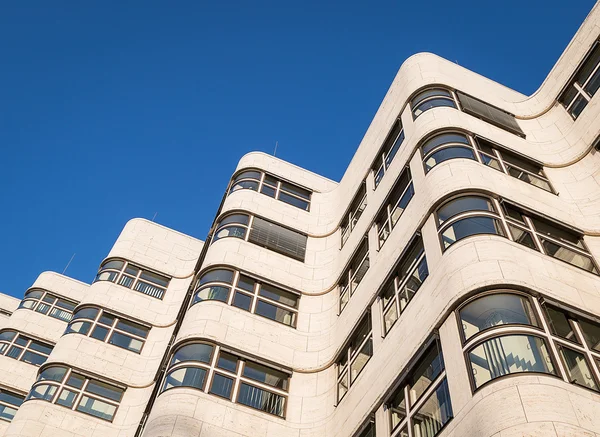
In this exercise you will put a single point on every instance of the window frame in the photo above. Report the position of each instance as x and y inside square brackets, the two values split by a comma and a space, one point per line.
[38, 302]
[389, 149]
[351, 355]
[24, 347]
[211, 368]
[415, 105]
[120, 274]
[353, 213]
[255, 296]
[388, 224]
[13, 393]
[346, 285]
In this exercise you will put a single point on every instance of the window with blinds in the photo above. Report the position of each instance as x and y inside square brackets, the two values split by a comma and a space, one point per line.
[277, 238]
[489, 113]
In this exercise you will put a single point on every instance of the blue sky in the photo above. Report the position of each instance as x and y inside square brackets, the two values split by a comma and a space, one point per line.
[114, 110]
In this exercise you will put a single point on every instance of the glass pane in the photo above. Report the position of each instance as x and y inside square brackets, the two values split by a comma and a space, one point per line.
[22, 340]
[7, 413]
[66, 398]
[557, 232]
[445, 138]
[185, 377]
[428, 368]
[276, 313]
[413, 283]
[428, 93]
[105, 390]
[193, 352]
[279, 295]
[75, 380]
[434, 413]
[248, 175]
[96, 408]
[155, 278]
[59, 314]
[398, 408]
[594, 83]
[369, 431]
[33, 358]
[40, 347]
[365, 353]
[7, 335]
[447, 154]
[577, 368]
[107, 319]
[52, 374]
[132, 270]
[106, 276]
[463, 204]
[42, 391]
[234, 218]
[99, 333]
[33, 294]
[433, 103]
[221, 386]
[14, 352]
[86, 313]
[342, 386]
[219, 275]
[11, 398]
[297, 191]
[471, 226]
[507, 355]
[491, 161]
[568, 255]
[231, 231]
[522, 236]
[268, 191]
[266, 375]
[291, 200]
[28, 304]
[212, 293]
[390, 317]
[242, 301]
[578, 106]
[591, 333]
[126, 342]
[79, 327]
[261, 399]
[246, 283]
[244, 185]
[42, 308]
[132, 328]
[560, 324]
[227, 362]
[494, 310]
[114, 264]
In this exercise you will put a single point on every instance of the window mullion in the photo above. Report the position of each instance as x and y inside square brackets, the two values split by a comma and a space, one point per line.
[254, 297]
[236, 386]
[211, 369]
[80, 394]
[581, 91]
[588, 353]
[540, 316]
[248, 227]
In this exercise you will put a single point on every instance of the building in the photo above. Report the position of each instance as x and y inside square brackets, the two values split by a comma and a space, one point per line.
[449, 285]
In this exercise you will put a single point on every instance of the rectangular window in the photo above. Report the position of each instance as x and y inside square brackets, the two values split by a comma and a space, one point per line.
[584, 84]
[48, 304]
[20, 347]
[489, 113]
[278, 238]
[395, 205]
[64, 386]
[390, 147]
[422, 401]
[355, 356]
[133, 276]
[358, 205]
[9, 404]
[354, 273]
[408, 276]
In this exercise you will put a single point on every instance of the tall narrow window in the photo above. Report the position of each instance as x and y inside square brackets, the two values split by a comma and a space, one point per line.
[355, 356]
[390, 147]
[354, 273]
[394, 206]
[584, 84]
[44, 302]
[132, 276]
[358, 205]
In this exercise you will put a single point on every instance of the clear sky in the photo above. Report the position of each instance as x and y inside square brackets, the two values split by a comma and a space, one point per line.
[113, 110]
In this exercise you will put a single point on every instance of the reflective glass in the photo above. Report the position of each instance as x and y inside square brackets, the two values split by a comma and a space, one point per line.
[105, 390]
[429, 367]
[591, 333]
[568, 255]
[463, 204]
[447, 154]
[221, 386]
[54, 373]
[578, 370]
[559, 323]
[279, 295]
[185, 377]
[398, 408]
[441, 139]
[193, 352]
[261, 399]
[96, 407]
[434, 413]
[126, 342]
[266, 375]
[212, 293]
[471, 226]
[219, 275]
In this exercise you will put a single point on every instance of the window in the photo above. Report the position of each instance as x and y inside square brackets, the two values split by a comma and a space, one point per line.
[273, 187]
[395, 205]
[20, 347]
[73, 390]
[242, 291]
[432, 98]
[389, 149]
[368, 429]
[133, 276]
[354, 273]
[49, 304]
[212, 369]
[565, 346]
[486, 112]
[355, 356]
[583, 85]
[263, 233]
[9, 404]
[422, 401]
[469, 215]
[358, 205]
[407, 277]
[451, 145]
[108, 328]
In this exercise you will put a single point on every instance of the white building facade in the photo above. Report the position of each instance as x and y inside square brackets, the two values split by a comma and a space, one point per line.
[448, 285]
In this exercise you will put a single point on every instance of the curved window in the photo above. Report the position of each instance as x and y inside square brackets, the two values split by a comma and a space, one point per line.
[495, 310]
[234, 225]
[20, 347]
[450, 145]
[432, 98]
[49, 304]
[9, 404]
[242, 291]
[132, 276]
[508, 354]
[503, 335]
[108, 328]
[272, 186]
[210, 368]
[66, 387]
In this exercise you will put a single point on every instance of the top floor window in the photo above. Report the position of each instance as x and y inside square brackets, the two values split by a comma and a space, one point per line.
[394, 206]
[388, 150]
[432, 98]
[469, 215]
[263, 233]
[452, 145]
[354, 273]
[44, 302]
[584, 84]
[273, 187]
[133, 276]
[350, 219]
[242, 291]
